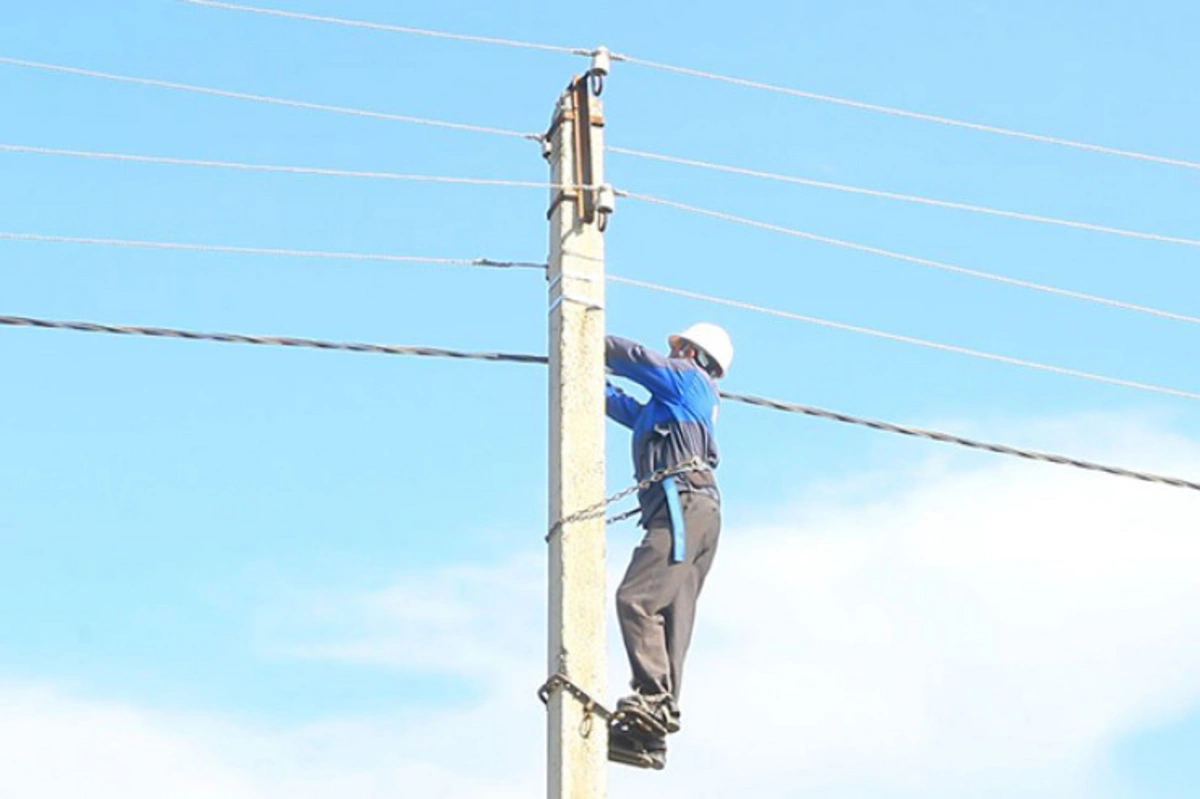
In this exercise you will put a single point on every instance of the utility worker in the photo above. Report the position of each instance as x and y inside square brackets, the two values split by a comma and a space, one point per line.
[681, 514]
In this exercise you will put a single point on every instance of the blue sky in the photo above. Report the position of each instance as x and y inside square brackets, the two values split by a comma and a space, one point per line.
[165, 507]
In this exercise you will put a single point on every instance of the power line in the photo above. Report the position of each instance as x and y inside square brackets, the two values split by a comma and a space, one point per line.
[273, 341]
[727, 79]
[908, 198]
[912, 259]
[471, 181]
[483, 262]
[379, 26]
[268, 99]
[277, 168]
[236, 250]
[537, 137]
[438, 352]
[948, 438]
[907, 114]
[912, 340]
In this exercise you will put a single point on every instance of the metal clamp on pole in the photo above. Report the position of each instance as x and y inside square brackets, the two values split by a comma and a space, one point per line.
[590, 706]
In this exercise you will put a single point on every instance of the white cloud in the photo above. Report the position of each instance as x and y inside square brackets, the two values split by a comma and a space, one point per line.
[936, 630]
[52, 746]
[482, 623]
[56, 746]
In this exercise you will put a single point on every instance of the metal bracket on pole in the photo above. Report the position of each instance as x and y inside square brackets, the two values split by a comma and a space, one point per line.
[594, 202]
[591, 707]
[584, 167]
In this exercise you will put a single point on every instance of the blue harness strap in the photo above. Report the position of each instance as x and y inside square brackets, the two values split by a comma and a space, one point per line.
[678, 526]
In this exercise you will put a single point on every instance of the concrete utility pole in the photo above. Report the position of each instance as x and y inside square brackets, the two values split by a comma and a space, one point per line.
[577, 747]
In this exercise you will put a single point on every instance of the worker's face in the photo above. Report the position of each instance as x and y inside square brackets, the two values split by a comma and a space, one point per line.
[682, 350]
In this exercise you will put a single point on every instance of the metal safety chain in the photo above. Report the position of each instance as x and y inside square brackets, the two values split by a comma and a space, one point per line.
[597, 510]
[620, 517]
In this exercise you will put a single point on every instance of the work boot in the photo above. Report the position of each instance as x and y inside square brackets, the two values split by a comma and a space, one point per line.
[656, 753]
[660, 707]
[635, 747]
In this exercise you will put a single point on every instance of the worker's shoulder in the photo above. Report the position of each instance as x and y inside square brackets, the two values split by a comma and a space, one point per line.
[696, 384]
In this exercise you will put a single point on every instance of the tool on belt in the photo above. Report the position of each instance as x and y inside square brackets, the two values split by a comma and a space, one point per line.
[675, 506]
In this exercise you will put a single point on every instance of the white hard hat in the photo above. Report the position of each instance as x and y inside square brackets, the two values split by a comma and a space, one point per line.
[712, 339]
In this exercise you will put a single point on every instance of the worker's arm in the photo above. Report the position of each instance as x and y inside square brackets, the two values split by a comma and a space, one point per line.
[641, 365]
[620, 407]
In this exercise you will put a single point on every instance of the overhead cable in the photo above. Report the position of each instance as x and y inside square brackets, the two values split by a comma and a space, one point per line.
[278, 168]
[472, 181]
[380, 26]
[912, 340]
[908, 198]
[273, 341]
[382, 257]
[291, 253]
[948, 438]
[437, 352]
[901, 112]
[726, 79]
[913, 259]
[271, 100]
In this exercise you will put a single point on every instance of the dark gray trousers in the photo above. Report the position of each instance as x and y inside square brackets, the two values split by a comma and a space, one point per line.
[656, 603]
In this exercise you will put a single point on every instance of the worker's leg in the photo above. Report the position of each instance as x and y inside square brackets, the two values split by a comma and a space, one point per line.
[649, 585]
[703, 518]
[656, 602]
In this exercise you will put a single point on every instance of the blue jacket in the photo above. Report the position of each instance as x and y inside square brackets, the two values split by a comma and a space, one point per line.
[674, 426]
